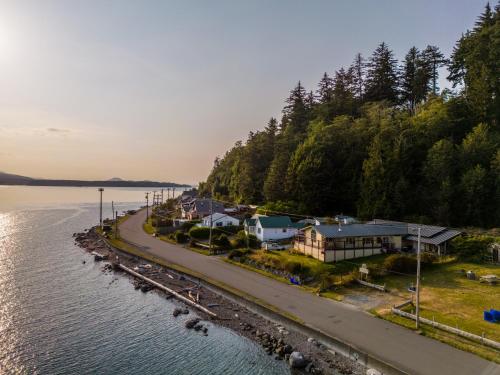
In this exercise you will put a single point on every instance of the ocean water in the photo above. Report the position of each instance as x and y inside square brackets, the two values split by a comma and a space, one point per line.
[61, 316]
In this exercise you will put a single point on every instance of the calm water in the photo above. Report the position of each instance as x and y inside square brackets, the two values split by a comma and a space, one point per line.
[60, 316]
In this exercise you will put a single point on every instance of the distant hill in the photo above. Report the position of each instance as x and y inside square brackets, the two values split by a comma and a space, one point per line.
[12, 179]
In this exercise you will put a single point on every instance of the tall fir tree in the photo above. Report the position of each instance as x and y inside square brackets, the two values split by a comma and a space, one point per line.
[382, 76]
[433, 59]
[324, 92]
[358, 74]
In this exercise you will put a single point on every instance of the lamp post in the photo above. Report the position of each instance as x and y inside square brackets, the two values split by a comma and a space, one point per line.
[100, 190]
[147, 206]
[417, 290]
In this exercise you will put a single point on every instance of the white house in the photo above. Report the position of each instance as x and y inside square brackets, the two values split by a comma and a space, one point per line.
[269, 228]
[219, 220]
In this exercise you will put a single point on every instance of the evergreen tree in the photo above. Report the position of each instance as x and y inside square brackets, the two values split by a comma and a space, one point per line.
[337, 153]
[433, 59]
[415, 77]
[324, 93]
[382, 77]
[475, 66]
[358, 73]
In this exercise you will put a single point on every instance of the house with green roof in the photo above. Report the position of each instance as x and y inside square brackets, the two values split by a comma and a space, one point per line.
[272, 228]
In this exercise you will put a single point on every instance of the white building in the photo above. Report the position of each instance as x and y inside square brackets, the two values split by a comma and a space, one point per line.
[272, 228]
[219, 220]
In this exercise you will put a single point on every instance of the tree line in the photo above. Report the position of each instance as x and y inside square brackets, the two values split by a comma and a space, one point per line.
[380, 139]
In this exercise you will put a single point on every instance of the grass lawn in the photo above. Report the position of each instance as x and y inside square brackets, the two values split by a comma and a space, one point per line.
[451, 298]
[446, 295]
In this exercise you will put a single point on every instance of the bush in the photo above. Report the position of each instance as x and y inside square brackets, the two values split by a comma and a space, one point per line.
[241, 240]
[296, 268]
[200, 233]
[233, 229]
[187, 225]
[239, 253]
[180, 237]
[222, 242]
[471, 247]
[400, 263]
[427, 258]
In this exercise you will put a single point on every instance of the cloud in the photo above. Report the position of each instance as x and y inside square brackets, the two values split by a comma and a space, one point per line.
[58, 130]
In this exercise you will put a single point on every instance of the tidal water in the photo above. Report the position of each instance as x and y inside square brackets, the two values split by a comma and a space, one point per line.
[59, 315]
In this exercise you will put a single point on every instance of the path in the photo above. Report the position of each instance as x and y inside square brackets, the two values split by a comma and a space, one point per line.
[389, 342]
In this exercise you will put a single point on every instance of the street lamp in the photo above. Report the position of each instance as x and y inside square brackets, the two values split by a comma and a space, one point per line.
[100, 190]
[417, 302]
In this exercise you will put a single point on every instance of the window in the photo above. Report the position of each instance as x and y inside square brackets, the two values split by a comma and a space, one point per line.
[313, 235]
[258, 230]
[218, 224]
[349, 241]
[367, 241]
[284, 230]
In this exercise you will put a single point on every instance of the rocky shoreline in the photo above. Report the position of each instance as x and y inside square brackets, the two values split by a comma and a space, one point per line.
[303, 354]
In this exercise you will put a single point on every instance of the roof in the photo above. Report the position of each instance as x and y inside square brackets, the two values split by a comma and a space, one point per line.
[250, 222]
[275, 221]
[446, 235]
[360, 230]
[217, 216]
[431, 234]
[203, 205]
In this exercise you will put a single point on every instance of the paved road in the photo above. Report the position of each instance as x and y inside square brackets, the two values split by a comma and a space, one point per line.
[394, 344]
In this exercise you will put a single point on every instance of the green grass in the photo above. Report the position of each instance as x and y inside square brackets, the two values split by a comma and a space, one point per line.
[148, 227]
[446, 295]
[443, 336]
[451, 298]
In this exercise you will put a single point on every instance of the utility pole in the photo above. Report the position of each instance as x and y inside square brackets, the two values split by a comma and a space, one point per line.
[113, 214]
[147, 206]
[100, 190]
[211, 223]
[116, 224]
[417, 298]
[161, 196]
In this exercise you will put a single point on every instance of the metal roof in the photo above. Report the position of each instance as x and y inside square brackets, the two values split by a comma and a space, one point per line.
[431, 234]
[274, 221]
[250, 222]
[446, 235]
[360, 230]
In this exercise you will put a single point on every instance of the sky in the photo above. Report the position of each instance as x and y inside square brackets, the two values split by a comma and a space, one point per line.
[157, 89]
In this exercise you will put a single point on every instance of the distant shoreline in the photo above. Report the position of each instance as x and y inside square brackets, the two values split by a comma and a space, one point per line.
[77, 183]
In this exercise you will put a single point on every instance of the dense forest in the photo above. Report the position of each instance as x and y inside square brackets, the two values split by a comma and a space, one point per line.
[380, 139]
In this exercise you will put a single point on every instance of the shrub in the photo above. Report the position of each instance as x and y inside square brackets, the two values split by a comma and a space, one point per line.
[427, 258]
[233, 229]
[222, 242]
[400, 263]
[241, 240]
[471, 247]
[180, 237]
[296, 268]
[187, 225]
[238, 253]
[326, 281]
[349, 278]
[200, 233]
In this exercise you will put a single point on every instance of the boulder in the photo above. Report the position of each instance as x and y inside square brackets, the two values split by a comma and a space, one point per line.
[191, 323]
[297, 360]
[177, 311]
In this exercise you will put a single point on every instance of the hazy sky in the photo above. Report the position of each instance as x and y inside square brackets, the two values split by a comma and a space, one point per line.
[157, 89]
